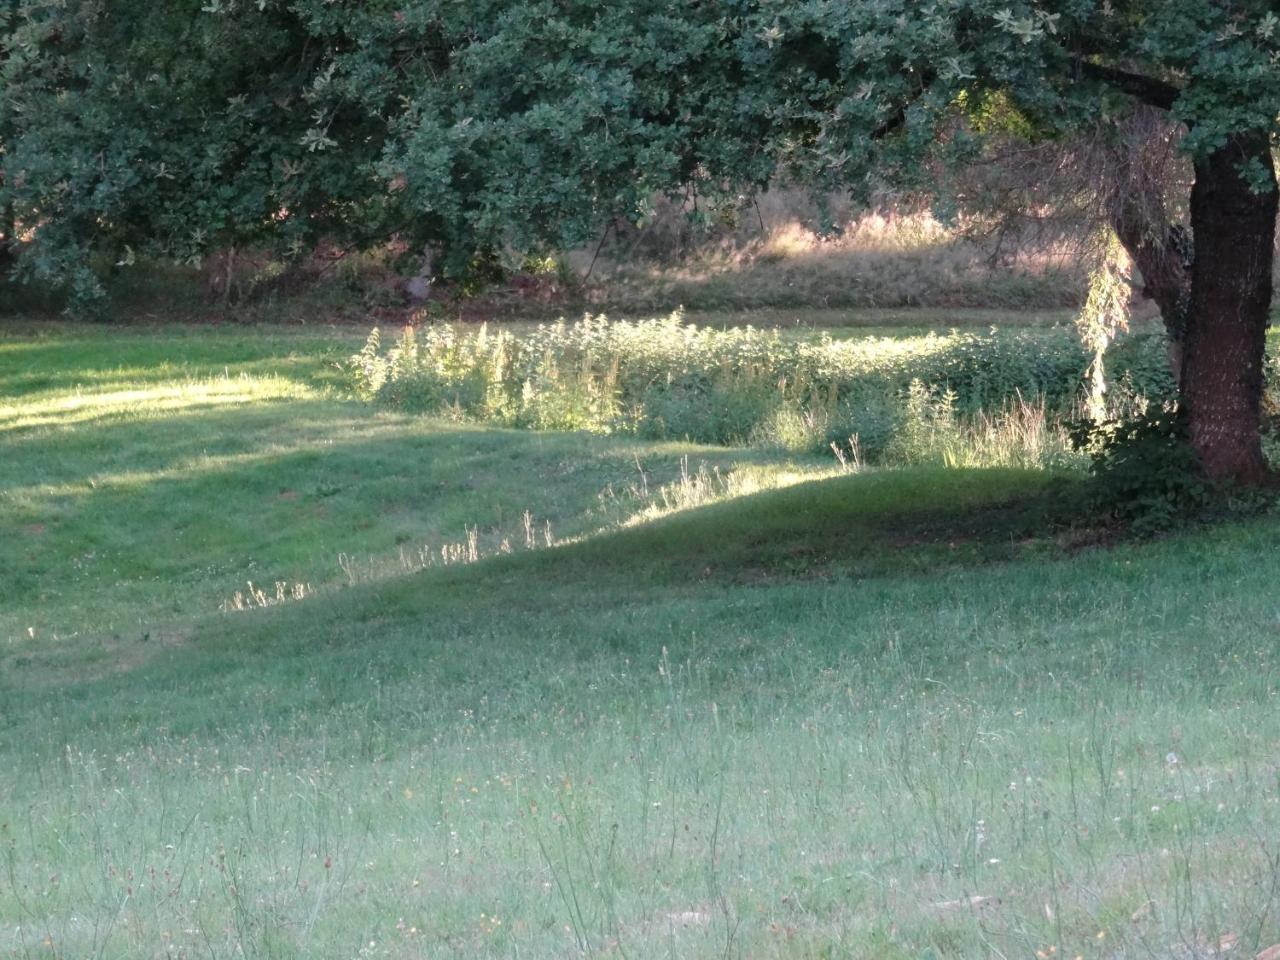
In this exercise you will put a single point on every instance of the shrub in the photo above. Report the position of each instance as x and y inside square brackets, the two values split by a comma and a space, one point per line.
[928, 432]
[1145, 471]
[793, 428]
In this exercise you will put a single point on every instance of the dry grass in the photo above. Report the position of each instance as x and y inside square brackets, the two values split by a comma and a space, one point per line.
[784, 250]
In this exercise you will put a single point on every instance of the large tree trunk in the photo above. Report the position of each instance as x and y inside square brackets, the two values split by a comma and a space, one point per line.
[1233, 221]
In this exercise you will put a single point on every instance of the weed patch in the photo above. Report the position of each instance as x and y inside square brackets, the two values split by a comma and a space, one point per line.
[993, 397]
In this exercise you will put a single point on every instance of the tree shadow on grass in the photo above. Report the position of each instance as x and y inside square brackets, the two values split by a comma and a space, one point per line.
[884, 523]
[892, 528]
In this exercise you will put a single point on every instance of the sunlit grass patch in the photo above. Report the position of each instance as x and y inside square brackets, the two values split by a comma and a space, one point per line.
[637, 501]
[157, 401]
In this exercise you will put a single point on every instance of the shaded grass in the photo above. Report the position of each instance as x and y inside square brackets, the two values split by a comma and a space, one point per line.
[884, 524]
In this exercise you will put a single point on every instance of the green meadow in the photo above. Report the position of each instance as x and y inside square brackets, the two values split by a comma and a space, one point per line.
[288, 673]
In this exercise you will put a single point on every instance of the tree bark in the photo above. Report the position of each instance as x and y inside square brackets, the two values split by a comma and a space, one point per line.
[1233, 220]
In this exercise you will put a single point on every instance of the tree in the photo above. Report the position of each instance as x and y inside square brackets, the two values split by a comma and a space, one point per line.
[531, 123]
[841, 93]
[539, 119]
[1208, 65]
[175, 131]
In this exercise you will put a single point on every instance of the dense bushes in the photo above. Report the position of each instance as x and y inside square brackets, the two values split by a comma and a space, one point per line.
[1144, 468]
[666, 378]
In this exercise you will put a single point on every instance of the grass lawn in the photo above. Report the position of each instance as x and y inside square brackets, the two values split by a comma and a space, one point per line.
[889, 715]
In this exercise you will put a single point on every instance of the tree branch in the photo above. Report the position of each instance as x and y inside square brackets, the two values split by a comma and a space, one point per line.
[896, 120]
[1148, 90]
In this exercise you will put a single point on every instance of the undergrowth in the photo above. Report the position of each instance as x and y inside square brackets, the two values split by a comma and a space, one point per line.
[963, 399]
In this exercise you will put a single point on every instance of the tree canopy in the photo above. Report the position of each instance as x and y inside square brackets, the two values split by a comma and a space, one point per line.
[184, 126]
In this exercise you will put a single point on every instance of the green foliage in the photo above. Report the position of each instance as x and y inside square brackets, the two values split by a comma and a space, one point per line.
[174, 131]
[793, 428]
[668, 379]
[179, 129]
[1145, 471]
[1104, 315]
[928, 426]
[1137, 371]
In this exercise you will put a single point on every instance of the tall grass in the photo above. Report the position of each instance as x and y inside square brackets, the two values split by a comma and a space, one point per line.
[962, 398]
[1021, 434]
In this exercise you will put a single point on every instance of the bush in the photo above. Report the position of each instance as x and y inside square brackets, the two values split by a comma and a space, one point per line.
[1146, 473]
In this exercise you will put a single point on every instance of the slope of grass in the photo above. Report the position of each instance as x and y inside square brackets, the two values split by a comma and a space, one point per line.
[890, 715]
[148, 476]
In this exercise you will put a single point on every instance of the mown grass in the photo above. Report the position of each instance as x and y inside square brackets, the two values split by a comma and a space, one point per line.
[147, 476]
[813, 720]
